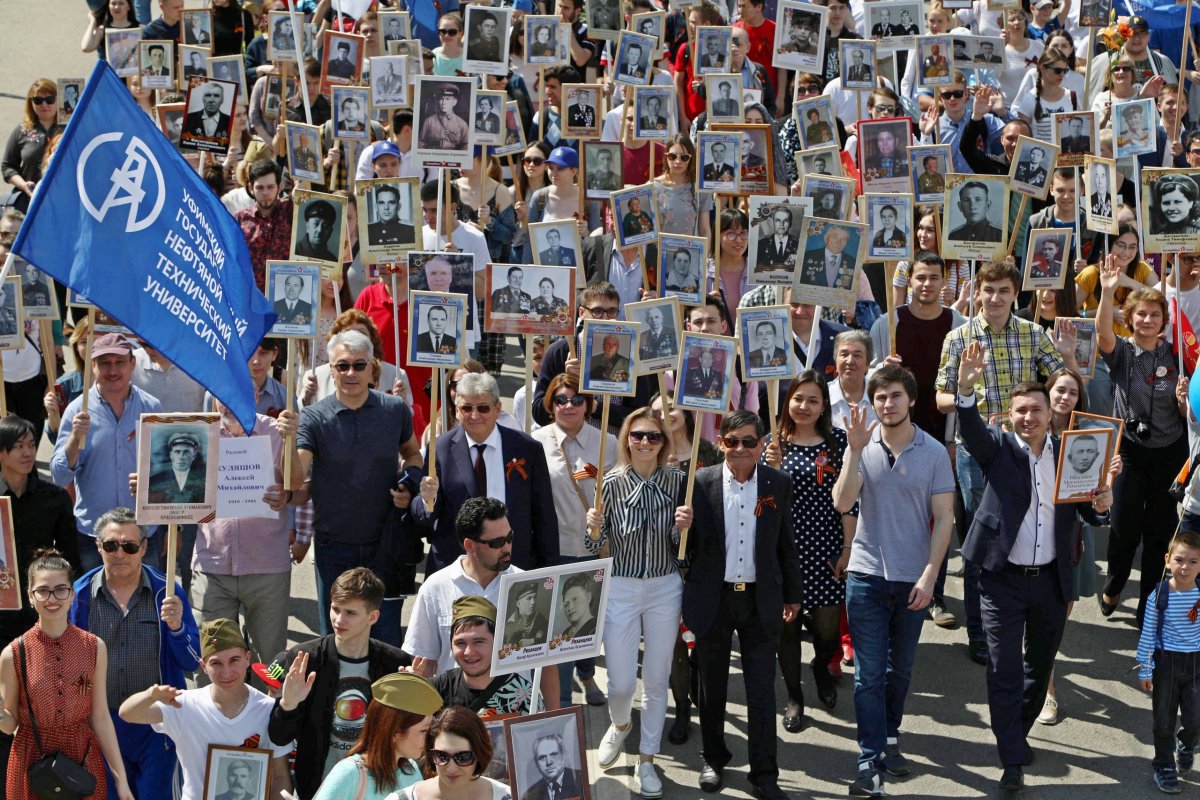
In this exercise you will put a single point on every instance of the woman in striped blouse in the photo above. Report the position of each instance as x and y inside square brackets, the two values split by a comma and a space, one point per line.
[639, 518]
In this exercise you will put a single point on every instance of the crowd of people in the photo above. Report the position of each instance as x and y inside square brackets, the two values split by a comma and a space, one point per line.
[929, 410]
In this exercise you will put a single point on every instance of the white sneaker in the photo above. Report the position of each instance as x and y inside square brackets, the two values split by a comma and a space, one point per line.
[648, 783]
[610, 745]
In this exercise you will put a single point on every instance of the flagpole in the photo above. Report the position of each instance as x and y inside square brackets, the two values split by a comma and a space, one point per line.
[691, 481]
[431, 450]
[1179, 343]
[290, 385]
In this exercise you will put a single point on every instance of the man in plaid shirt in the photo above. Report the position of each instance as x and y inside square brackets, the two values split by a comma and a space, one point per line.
[1017, 351]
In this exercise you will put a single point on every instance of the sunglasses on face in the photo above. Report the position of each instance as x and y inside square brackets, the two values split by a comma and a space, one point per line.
[881, 109]
[496, 544]
[43, 100]
[111, 546]
[748, 442]
[344, 367]
[809, 88]
[463, 758]
[1121, 69]
[482, 408]
[1059, 70]
[448, 32]
[957, 94]
[653, 437]
[534, 161]
[684, 157]
[574, 400]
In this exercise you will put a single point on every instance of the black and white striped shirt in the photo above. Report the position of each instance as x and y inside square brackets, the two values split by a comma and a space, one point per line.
[639, 522]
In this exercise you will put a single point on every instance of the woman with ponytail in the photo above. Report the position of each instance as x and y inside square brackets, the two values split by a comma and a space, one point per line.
[1049, 96]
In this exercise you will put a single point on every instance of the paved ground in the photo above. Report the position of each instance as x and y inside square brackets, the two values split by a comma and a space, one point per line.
[1101, 748]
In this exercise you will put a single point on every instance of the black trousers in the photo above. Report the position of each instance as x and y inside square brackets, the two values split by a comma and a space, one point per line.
[1143, 514]
[738, 613]
[24, 399]
[824, 624]
[1176, 697]
[1023, 620]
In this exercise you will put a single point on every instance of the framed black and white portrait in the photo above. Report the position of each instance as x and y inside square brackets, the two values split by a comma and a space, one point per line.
[1169, 205]
[556, 244]
[889, 226]
[1082, 469]
[650, 23]
[208, 120]
[12, 314]
[514, 132]
[489, 117]
[281, 39]
[820, 161]
[304, 152]
[240, 772]
[756, 163]
[388, 217]
[177, 468]
[542, 36]
[975, 217]
[1076, 134]
[394, 26]
[389, 82]
[1099, 201]
[350, 112]
[654, 112]
[775, 222]
[530, 299]
[170, 121]
[682, 267]
[1047, 258]
[318, 227]
[800, 36]
[635, 54]
[815, 121]
[658, 342]
[195, 27]
[156, 61]
[121, 49]
[724, 95]
[895, 24]
[603, 169]
[1032, 165]
[1134, 124]
[720, 161]
[764, 334]
[928, 165]
[1085, 343]
[548, 748]
[487, 34]
[633, 208]
[713, 44]
[38, 298]
[604, 18]
[608, 366]
[437, 325]
[69, 92]
[584, 115]
[706, 372]
[229, 68]
[830, 262]
[832, 198]
[342, 59]
[882, 156]
[857, 61]
[444, 119]
[294, 289]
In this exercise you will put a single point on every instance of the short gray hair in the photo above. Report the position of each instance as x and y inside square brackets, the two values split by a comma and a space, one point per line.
[117, 516]
[475, 384]
[355, 341]
[854, 337]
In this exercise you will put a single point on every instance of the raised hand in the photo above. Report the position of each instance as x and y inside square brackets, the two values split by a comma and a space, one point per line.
[858, 431]
[970, 366]
[296, 685]
[1110, 274]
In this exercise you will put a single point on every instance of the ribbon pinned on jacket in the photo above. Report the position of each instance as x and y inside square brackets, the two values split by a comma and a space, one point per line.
[588, 471]
[764, 502]
[519, 465]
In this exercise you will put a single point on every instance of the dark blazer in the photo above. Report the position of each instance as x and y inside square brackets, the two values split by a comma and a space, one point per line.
[301, 314]
[425, 343]
[778, 356]
[779, 579]
[570, 787]
[1006, 497]
[770, 255]
[530, 504]
[193, 123]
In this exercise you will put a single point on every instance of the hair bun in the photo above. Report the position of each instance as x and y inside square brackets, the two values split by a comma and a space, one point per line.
[47, 552]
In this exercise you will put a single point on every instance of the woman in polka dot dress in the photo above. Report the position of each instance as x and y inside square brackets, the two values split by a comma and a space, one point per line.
[66, 679]
[810, 449]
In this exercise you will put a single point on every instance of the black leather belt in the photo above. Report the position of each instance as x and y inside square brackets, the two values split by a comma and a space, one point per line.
[1029, 571]
[739, 587]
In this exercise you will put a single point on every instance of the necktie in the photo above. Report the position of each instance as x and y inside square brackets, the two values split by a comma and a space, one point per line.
[481, 483]
[437, 340]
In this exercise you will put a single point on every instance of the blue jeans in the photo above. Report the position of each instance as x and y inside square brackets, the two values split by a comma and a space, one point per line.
[970, 484]
[885, 634]
[149, 760]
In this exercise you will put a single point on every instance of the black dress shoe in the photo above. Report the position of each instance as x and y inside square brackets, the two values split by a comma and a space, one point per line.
[767, 791]
[793, 718]
[678, 734]
[1028, 759]
[1012, 779]
[977, 649]
[1106, 609]
[710, 778]
[828, 697]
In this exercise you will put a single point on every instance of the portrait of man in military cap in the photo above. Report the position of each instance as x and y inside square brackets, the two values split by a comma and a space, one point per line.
[314, 238]
[182, 479]
[442, 126]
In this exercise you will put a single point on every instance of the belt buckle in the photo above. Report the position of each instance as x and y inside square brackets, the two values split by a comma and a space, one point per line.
[739, 587]
[1033, 572]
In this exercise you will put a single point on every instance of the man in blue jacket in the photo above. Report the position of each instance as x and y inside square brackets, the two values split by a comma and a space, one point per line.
[151, 638]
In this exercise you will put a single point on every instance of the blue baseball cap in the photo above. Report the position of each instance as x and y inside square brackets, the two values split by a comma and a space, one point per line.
[385, 148]
[564, 157]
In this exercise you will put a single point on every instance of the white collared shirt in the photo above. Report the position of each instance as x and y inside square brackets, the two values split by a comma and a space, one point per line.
[1035, 540]
[839, 406]
[741, 526]
[627, 278]
[493, 459]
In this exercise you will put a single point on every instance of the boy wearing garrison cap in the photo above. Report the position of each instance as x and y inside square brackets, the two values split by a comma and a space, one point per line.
[470, 684]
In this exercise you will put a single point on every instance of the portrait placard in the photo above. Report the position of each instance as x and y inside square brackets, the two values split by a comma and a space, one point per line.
[757, 172]
[105, 323]
[1081, 469]
[832, 198]
[294, 289]
[69, 92]
[195, 27]
[388, 217]
[1169, 205]
[497, 768]
[443, 273]
[394, 26]
[857, 59]
[978, 52]
[584, 111]
[654, 112]
[304, 152]
[765, 336]
[487, 34]
[928, 165]
[895, 24]
[1032, 164]
[815, 121]
[800, 35]
[208, 121]
[706, 366]
[177, 468]
[538, 303]
[773, 251]
[658, 345]
[1100, 206]
[38, 298]
[444, 119]
[550, 615]
[514, 132]
[604, 19]
[603, 169]
[12, 314]
[829, 270]
[11, 596]
[541, 40]
[342, 60]
[634, 54]
[609, 361]
[489, 107]
[889, 232]
[1076, 134]
[634, 208]
[156, 64]
[193, 63]
[1086, 352]
[548, 747]
[318, 227]
[170, 121]
[1093, 13]
[410, 50]
[237, 772]
[975, 217]
[713, 44]
[1081, 421]
[1134, 125]
[650, 23]
[350, 113]
[820, 161]
[1046, 258]
[682, 270]
[121, 49]
[933, 61]
[556, 244]
[437, 325]
[389, 82]
[720, 159]
[881, 154]
[281, 44]
[230, 68]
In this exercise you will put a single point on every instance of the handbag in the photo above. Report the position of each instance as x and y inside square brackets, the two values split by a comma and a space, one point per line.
[54, 776]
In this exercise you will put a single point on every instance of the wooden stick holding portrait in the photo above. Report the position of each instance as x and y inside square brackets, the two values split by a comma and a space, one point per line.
[51, 365]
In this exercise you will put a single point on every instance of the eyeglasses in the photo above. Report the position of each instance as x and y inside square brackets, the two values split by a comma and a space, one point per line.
[482, 408]
[684, 157]
[463, 758]
[495, 544]
[653, 437]
[58, 592]
[447, 31]
[809, 88]
[505, 77]
[602, 312]
[1125, 246]
[884, 109]
[111, 546]
[748, 442]
[736, 234]
[534, 161]
[1115, 70]
[43, 100]
[574, 400]
[1059, 70]
[343, 367]
[957, 94]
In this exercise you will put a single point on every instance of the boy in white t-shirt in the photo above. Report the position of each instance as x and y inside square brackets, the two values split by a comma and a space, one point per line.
[227, 712]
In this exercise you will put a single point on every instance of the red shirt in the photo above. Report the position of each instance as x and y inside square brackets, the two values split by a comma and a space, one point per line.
[692, 102]
[636, 163]
[762, 43]
[268, 238]
[377, 304]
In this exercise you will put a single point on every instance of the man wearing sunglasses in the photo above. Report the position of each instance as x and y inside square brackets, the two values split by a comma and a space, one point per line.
[151, 638]
[744, 576]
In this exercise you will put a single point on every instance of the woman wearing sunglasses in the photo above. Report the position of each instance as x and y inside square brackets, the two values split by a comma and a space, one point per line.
[384, 759]
[21, 164]
[527, 180]
[458, 748]
[1120, 85]
[639, 520]
[75, 721]
[1049, 97]
[448, 56]
[681, 209]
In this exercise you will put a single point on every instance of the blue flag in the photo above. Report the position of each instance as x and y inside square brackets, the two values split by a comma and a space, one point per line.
[122, 219]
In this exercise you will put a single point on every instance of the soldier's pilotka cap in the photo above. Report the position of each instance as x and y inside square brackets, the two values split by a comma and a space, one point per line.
[449, 91]
[471, 606]
[405, 691]
[218, 635]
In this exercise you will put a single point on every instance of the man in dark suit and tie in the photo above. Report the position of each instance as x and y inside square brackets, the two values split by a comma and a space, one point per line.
[1076, 141]
[557, 781]
[717, 169]
[767, 353]
[209, 122]
[702, 380]
[743, 576]
[581, 113]
[1100, 199]
[779, 249]
[1024, 544]
[479, 458]
[858, 71]
[555, 255]
[290, 309]
[829, 266]
[511, 299]
[387, 227]
[434, 339]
